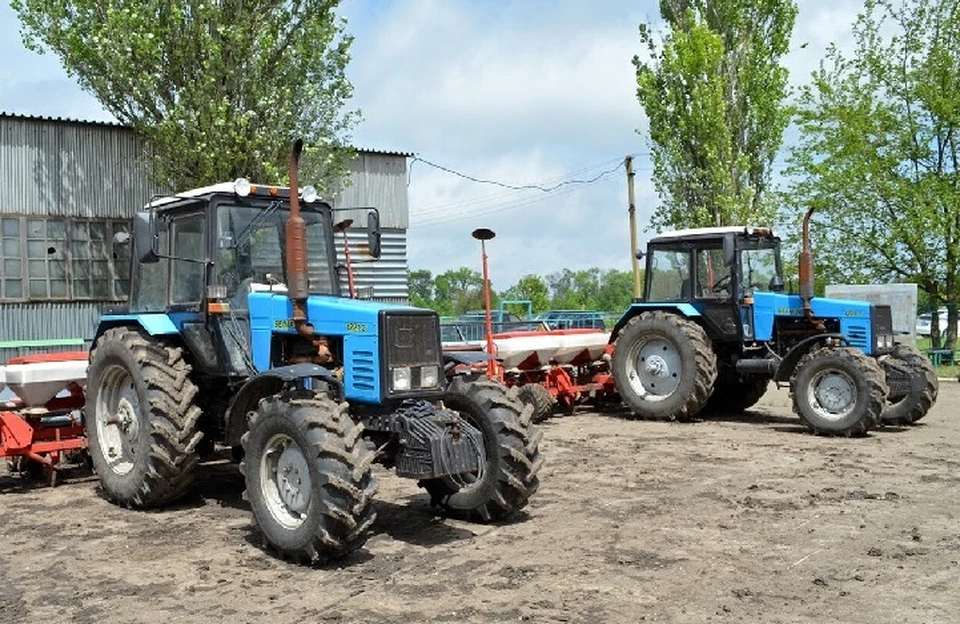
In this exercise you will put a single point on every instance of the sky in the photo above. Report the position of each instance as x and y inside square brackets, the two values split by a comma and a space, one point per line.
[522, 92]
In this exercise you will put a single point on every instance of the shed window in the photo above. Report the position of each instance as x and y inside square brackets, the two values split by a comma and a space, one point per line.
[62, 259]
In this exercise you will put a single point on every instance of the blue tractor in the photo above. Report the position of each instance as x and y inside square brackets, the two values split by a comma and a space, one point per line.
[714, 329]
[237, 335]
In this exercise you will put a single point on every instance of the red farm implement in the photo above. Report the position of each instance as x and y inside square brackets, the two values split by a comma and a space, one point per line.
[43, 422]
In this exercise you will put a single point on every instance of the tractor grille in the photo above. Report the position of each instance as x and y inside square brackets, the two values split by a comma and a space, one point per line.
[857, 334]
[412, 339]
[881, 317]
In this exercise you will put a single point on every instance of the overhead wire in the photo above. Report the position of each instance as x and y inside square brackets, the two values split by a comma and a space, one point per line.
[509, 195]
[501, 207]
[515, 201]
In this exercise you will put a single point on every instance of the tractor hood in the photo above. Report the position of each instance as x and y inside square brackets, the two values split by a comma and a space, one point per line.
[859, 321]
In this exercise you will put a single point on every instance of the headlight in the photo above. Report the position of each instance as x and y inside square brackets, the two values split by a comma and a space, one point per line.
[241, 186]
[401, 378]
[309, 194]
[429, 377]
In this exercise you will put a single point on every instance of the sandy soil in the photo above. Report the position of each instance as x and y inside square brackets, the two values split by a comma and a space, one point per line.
[747, 519]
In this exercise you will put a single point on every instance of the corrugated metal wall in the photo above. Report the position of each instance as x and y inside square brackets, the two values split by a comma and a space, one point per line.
[47, 321]
[379, 181]
[76, 169]
[388, 275]
[70, 169]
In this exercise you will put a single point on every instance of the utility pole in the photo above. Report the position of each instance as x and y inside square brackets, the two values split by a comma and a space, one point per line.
[632, 211]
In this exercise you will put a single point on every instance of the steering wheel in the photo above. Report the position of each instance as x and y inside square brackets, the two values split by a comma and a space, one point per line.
[722, 284]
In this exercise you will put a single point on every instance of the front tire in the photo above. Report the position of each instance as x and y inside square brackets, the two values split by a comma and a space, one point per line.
[141, 418]
[508, 476]
[838, 391]
[664, 366]
[308, 478]
[915, 405]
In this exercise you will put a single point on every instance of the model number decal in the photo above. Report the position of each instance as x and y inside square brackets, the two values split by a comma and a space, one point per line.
[359, 328]
[283, 324]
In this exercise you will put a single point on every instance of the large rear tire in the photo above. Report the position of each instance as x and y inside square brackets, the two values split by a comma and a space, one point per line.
[838, 391]
[736, 396]
[141, 418]
[508, 476]
[915, 405]
[539, 398]
[308, 479]
[664, 366]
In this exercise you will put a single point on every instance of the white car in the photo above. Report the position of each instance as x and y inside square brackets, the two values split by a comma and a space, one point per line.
[925, 323]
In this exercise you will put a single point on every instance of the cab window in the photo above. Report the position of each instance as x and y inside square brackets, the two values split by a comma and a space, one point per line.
[669, 275]
[187, 279]
[713, 275]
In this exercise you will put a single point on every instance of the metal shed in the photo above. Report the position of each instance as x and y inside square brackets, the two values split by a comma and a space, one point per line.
[66, 186]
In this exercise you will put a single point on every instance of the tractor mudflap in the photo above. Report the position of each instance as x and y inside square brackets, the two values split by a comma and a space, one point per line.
[435, 443]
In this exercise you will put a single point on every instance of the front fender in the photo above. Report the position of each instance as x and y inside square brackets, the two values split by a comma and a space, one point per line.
[789, 362]
[267, 384]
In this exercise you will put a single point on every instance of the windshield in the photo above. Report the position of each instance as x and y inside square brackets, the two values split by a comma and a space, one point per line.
[251, 247]
[759, 267]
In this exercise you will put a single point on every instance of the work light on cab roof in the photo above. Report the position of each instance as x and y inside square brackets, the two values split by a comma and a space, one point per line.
[243, 188]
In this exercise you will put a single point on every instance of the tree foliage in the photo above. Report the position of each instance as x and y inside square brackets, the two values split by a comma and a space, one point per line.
[458, 290]
[713, 89]
[879, 157]
[219, 88]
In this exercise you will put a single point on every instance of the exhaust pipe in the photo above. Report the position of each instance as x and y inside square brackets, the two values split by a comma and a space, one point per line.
[298, 287]
[806, 268]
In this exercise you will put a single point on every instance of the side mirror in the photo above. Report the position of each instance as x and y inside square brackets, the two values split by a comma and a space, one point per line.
[121, 238]
[729, 249]
[640, 254]
[373, 233]
[145, 236]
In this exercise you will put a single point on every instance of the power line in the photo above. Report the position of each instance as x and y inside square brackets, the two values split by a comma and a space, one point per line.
[515, 187]
[499, 208]
[505, 195]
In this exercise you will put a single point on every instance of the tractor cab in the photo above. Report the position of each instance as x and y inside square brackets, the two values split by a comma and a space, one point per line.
[213, 264]
[715, 271]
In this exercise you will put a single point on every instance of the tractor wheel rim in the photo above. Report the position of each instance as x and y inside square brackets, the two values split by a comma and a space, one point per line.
[655, 369]
[285, 481]
[117, 416]
[832, 394]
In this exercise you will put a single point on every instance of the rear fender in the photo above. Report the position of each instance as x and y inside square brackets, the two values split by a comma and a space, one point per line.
[267, 384]
[681, 309]
[152, 324]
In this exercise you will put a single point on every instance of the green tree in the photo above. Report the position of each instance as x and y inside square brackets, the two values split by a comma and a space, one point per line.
[421, 288]
[457, 291]
[530, 287]
[879, 157]
[616, 291]
[219, 89]
[713, 89]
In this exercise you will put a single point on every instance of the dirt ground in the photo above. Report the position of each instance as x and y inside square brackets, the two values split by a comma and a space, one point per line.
[747, 519]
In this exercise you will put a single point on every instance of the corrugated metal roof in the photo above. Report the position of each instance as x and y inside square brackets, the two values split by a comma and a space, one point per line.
[115, 124]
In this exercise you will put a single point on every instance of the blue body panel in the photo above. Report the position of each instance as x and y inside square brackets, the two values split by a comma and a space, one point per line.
[637, 307]
[356, 320]
[154, 323]
[854, 316]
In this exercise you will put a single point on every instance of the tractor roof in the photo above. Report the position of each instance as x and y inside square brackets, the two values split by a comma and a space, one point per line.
[712, 233]
[223, 188]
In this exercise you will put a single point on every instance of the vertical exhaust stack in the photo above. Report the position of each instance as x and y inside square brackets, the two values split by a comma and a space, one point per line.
[806, 267]
[298, 287]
